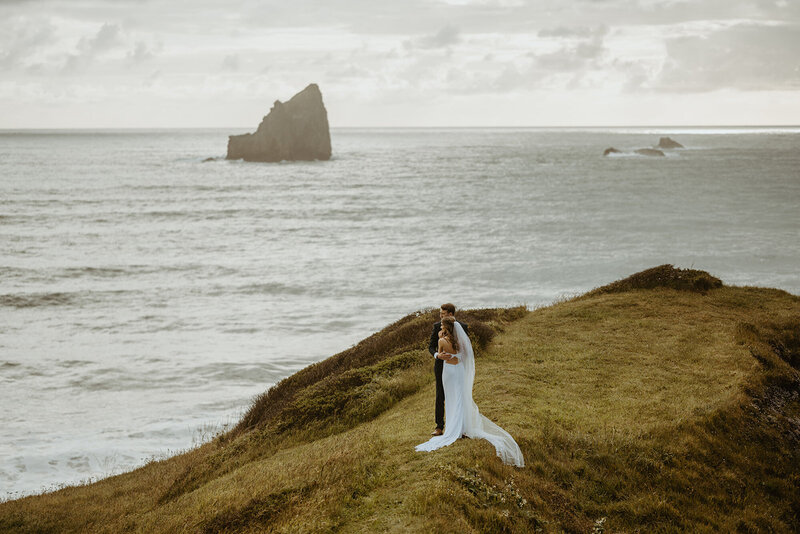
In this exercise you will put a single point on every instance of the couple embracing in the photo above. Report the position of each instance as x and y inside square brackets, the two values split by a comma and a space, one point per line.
[455, 376]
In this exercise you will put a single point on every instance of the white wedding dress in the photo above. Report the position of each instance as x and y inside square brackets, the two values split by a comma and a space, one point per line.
[461, 413]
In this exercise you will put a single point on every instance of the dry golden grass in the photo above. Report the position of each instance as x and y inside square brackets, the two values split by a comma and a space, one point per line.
[643, 410]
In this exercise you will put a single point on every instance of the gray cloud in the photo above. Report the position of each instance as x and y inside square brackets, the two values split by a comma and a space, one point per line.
[444, 37]
[350, 71]
[449, 35]
[576, 55]
[745, 56]
[150, 80]
[636, 75]
[230, 62]
[141, 52]
[567, 31]
[23, 37]
[107, 37]
[581, 52]
[74, 63]
[510, 79]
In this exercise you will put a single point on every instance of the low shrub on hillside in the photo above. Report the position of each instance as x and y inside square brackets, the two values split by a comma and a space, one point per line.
[662, 276]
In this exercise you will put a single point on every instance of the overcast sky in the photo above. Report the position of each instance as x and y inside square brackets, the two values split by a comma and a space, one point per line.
[153, 63]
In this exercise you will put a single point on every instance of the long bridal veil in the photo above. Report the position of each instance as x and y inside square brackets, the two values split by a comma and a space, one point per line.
[475, 424]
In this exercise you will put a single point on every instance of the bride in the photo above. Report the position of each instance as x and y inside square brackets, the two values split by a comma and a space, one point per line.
[461, 413]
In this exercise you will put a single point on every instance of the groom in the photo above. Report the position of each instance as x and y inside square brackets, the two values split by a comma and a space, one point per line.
[446, 310]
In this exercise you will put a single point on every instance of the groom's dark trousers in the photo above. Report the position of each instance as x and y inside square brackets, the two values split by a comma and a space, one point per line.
[438, 367]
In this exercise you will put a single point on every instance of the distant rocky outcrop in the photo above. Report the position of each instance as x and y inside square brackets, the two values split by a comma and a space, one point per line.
[663, 143]
[666, 142]
[649, 152]
[295, 130]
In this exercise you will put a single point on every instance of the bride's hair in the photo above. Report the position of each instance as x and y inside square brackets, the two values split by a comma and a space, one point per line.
[448, 327]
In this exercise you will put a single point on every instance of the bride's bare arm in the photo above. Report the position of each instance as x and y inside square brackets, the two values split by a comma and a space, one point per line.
[444, 352]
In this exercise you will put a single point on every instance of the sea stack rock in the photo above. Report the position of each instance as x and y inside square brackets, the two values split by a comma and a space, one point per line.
[666, 142]
[295, 130]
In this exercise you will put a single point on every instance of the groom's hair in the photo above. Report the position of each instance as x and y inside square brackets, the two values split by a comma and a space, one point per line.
[449, 308]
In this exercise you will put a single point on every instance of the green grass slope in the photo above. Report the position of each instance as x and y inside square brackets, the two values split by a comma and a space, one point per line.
[663, 402]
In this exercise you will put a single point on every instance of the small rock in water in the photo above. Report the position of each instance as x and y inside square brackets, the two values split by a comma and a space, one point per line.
[611, 150]
[209, 159]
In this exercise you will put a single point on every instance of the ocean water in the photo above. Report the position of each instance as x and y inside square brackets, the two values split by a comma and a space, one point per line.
[146, 296]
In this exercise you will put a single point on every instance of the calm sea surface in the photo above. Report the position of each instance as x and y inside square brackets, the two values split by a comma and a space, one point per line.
[147, 296]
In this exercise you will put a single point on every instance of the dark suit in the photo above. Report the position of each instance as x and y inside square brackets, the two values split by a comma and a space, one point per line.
[438, 367]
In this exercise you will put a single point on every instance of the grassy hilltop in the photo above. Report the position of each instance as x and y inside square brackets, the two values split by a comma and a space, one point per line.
[662, 402]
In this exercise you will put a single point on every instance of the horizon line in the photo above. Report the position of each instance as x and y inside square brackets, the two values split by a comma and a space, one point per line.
[517, 127]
